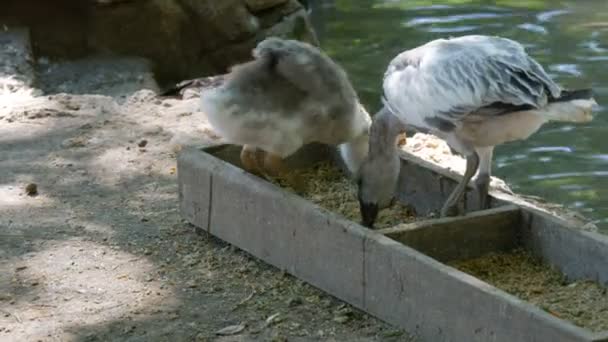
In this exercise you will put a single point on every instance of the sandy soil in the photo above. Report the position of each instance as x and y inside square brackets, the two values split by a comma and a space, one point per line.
[101, 253]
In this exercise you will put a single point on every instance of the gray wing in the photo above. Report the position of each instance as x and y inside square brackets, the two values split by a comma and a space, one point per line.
[306, 67]
[441, 83]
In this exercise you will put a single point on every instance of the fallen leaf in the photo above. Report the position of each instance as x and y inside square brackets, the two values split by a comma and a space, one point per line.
[231, 330]
[273, 318]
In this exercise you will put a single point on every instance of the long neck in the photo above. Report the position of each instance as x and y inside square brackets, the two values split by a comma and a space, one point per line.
[380, 172]
[383, 134]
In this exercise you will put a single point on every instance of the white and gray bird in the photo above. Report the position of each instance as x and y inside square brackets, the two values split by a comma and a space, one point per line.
[290, 95]
[475, 92]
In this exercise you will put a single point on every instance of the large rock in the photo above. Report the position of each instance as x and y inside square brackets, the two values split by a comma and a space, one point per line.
[16, 70]
[57, 28]
[259, 5]
[182, 38]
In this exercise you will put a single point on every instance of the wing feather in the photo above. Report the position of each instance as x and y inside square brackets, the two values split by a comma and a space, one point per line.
[440, 83]
[306, 67]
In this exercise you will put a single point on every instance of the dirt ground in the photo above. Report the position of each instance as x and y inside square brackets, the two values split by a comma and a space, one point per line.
[100, 253]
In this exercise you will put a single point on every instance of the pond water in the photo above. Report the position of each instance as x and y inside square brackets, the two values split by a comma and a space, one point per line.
[563, 163]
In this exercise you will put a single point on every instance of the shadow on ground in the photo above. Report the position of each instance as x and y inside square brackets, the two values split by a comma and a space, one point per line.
[101, 252]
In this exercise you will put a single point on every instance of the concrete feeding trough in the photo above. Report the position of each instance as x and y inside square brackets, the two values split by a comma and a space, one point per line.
[398, 274]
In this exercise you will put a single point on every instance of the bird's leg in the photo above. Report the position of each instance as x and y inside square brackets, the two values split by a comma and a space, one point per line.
[450, 208]
[275, 166]
[401, 139]
[482, 182]
[250, 160]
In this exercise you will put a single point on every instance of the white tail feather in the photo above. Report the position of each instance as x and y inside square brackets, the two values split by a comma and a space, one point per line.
[216, 105]
[570, 111]
[209, 100]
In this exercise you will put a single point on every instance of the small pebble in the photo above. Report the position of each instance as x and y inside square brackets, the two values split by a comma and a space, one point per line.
[31, 189]
[341, 319]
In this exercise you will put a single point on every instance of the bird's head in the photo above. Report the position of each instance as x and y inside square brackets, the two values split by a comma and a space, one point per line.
[367, 195]
[378, 174]
[376, 183]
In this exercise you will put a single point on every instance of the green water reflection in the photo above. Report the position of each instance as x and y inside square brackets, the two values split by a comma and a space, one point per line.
[563, 163]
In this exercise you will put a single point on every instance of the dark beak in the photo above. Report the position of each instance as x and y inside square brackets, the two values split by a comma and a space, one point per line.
[369, 213]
